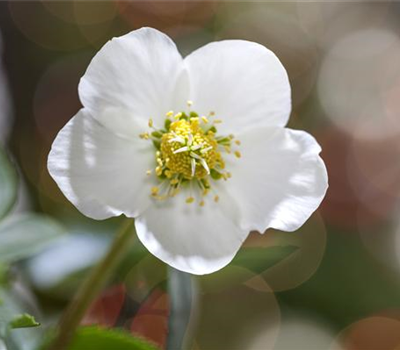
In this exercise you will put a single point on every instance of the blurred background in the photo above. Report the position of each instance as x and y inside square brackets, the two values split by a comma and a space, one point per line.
[334, 284]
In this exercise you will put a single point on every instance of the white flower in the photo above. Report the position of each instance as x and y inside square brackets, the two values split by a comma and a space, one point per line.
[195, 149]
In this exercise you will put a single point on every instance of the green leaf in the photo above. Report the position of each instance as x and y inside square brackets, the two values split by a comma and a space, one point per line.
[8, 184]
[23, 321]
[12, 309]
[96, 338]
[26, 235]
[260, 259]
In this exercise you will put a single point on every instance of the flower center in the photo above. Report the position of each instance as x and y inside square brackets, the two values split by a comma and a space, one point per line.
[189, 152]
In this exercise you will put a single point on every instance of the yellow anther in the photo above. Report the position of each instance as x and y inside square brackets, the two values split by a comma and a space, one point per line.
[168, 173]
[227, 149]
[231, 136]
[205, 191]
[229, 175]
[148, 172]
[159, 171]
[204, 119]
[194, 119]
[238, 142]
[238, 154]
[212, 113]
[178, 115]
[154, 191]
[144, 136]
[202, 203]
[169, 114]
[174, 182]
[216, 199]
[189, 200]
[150, 123]
[217, 121]
[189, 103]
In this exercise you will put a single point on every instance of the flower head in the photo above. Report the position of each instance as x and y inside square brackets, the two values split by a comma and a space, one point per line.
[194, 149]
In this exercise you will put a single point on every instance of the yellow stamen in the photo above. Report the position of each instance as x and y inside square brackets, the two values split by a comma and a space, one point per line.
[174, 182]
[188, 154]
[162, 198]
[189, 200]
[187, 158]
[174, 192]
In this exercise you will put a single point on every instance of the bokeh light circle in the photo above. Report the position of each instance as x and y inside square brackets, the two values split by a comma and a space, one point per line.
[300, 265]
[356, 75]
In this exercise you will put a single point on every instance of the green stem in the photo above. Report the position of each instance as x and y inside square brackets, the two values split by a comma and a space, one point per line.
[90, 288]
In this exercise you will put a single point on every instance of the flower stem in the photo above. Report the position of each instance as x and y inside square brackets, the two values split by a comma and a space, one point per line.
[183, 294]
[90, 288]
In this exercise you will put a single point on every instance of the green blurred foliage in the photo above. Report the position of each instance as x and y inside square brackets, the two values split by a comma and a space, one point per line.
[8, 184]
[95, 338]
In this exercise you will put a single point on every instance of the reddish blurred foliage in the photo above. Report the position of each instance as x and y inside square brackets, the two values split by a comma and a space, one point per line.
[147, 318]
[167, 16]
[352, 201]
[151, 320]
[106, 309]
[373, 333]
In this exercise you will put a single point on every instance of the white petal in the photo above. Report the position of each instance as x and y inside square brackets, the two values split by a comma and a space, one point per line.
[102, 174]
[139, 72]
[279, 181]
[244, 83]
[190, 238]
